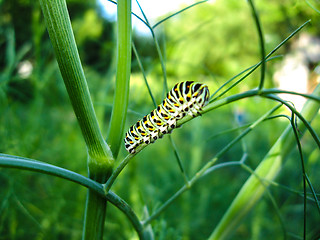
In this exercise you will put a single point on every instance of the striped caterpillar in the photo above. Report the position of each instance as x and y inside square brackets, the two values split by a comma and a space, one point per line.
[184, 98]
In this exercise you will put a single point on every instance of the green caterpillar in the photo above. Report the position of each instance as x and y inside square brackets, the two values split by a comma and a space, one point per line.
[184, 98]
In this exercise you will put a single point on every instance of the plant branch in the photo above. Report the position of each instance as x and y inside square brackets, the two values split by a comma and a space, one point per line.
[268, 169]
[208, 166]
[253, 68]
[261, 41]
[10, 161]
[250, 93]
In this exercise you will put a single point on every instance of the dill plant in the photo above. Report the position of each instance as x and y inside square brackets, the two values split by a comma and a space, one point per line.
[101, 153]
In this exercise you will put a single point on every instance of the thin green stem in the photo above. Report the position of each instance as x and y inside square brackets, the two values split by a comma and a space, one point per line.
[231, 130]
[258, 64]
[299, 193]
[10, 161]
[277, 91]
[156, 42]
[234, 77]
[305, 122]
[313, 7]
[205, 169]
[166, 18]
[314, 194]
[293, 124]
[265, 184]
[165, 86]
[261, 41]
[121, 97]
[140, 19]
[268, 169]
[250, 93]
[178, 158]
[165, 205]
[38, 166]
[143, 73]
[117, 171]
[178, 12]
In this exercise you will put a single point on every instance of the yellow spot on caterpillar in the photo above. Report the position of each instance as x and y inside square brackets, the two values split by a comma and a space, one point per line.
[173, 107]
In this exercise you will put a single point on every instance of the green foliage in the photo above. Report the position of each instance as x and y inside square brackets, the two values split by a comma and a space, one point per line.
[210, 42]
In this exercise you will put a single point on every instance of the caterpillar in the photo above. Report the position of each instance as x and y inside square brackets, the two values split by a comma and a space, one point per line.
[184, 98]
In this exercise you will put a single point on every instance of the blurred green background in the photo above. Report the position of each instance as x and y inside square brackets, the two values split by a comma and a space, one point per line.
[211, 43]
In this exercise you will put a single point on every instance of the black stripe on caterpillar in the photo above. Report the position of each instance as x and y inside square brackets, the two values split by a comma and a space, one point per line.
[184, 98]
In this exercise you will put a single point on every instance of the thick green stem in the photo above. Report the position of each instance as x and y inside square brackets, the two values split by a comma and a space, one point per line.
[121, 97]
[100, 159]
[60, 31]
[95, 214]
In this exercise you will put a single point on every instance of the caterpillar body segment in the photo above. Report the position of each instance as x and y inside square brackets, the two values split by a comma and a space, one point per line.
[185, 98]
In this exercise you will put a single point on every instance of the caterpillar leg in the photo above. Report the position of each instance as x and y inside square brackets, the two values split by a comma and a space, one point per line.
[185, 98]
[132, 150]
[147, 139]
[154, 135]
[172, 123]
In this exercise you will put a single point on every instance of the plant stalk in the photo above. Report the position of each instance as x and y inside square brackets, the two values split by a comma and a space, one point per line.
[60, 31]
[268, 169]
[100, 159]
[121, 97]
